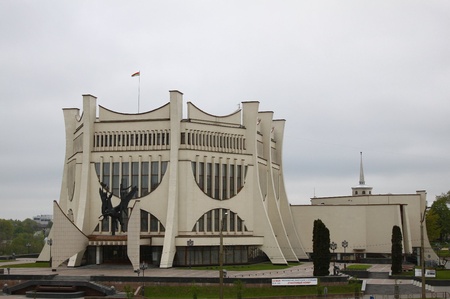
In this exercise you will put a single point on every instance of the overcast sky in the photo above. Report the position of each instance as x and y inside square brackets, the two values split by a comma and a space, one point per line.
[348, 76]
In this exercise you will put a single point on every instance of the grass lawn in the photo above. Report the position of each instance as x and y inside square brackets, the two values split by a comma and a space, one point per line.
[360, 267]
[254, 267]
[232, 291]
[29, 265]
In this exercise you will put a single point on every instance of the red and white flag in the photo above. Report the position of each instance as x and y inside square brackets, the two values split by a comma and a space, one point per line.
[136, 74]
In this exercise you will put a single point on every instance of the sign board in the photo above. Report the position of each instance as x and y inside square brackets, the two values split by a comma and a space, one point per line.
[428, 272]
[294, 282]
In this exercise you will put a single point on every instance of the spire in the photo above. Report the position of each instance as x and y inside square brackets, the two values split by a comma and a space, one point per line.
[361, 172]
[362, 188]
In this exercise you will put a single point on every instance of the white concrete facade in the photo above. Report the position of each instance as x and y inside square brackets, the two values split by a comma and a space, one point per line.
[193, 175]
[197, 175]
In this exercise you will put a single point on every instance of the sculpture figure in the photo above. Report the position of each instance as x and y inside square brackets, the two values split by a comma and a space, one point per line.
[116, 213]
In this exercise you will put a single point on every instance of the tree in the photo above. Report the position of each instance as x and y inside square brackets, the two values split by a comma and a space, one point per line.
[438, 218]
[396, 250]
[321, 249]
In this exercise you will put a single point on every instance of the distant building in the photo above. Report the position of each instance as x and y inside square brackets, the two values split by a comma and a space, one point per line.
[364, 222]
[43, 220]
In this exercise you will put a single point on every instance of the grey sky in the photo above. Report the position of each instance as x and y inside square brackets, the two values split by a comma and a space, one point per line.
[348, 76]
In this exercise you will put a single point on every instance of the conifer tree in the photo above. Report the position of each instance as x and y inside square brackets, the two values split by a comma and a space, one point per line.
[396, 251]
[321, 249]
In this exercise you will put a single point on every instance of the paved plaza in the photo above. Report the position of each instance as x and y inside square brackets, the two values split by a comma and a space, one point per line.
[378, 286]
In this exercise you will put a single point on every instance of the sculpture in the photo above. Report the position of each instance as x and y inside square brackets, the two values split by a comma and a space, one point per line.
[116, 213]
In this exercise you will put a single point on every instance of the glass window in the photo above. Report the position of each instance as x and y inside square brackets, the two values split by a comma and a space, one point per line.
[134, 175]
[153, 223]
[232, 193]
[201, 175]
[239, 178]
[208, 179]
[144, 221]
[154, 178]
[183, 138]
[115, 178]
[125, 173]
[209, 221]
[97, 169]
[232, 215]
[105, 224]
[216, 180]
[106, 173]
[224, 220]
[163, 168]
[224, 181]
[201, 224]
[216, 220]
[144, 178]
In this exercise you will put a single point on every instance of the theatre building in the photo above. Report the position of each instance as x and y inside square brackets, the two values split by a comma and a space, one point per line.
[165, 189]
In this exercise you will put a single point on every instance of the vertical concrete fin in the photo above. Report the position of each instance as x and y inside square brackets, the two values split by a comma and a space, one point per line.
[176, 114]
[133, 235]
[67, 239]
[262, 224]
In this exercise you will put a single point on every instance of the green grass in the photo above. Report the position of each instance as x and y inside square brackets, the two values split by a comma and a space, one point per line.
[443, 274]
[231, 291]
[29, 265]
[254, 267]
[360, 267]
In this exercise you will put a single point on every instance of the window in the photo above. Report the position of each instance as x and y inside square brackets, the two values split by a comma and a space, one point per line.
[216, 180]
[106, 173]
[134, 176]
[208, 179]
[224, 181]
[115, 178]
[144, 178]
[154, 178]
[201, 175]
[125, 173]
[153, 223]
[144, 221]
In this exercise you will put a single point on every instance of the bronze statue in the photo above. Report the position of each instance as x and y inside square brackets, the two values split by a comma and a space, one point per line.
[116, 213]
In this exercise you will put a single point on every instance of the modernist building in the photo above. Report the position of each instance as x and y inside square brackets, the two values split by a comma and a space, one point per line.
[162, 188]
[194, 177]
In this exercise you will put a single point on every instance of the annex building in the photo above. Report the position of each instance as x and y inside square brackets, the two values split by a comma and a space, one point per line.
[165, 188]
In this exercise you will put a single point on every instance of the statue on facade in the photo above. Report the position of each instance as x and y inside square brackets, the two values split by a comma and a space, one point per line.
[118, 212]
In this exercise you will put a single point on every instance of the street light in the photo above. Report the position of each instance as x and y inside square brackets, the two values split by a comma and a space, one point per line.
[28, 247]
[143, 267]
[190, 243]
[333, 247]
[422, 253]
[224, 217]
[344, 245]
[50, 243]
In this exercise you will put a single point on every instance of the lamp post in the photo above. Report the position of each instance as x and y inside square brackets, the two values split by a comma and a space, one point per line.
[344, 245]
[143, 267]
[28, 245]
[224, 216]
[333, 247]
[190, 243]
[422, 253]
[50, 243]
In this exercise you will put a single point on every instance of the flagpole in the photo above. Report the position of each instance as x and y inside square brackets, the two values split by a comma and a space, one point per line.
[139, 90]
[138, 73]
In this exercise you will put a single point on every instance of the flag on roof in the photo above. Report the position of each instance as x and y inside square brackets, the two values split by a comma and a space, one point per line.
[136, 74]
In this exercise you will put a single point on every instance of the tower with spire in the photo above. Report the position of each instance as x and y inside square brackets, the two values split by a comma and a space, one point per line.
[362, 188]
